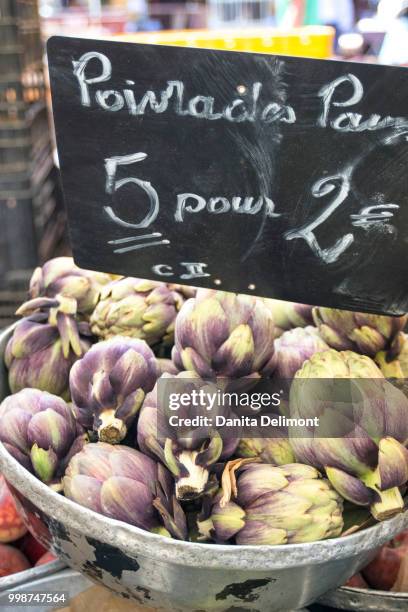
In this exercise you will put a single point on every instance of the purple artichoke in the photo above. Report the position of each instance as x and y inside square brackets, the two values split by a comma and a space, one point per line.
[274, 505]
[224, 334]
[108, 385]
[61, 276]
[138, 308]
[288, 315]
[187, 451]
[368, 463]
[124, 484]
[294, 347]
[359, 332]
[45, 345]
[40, 431]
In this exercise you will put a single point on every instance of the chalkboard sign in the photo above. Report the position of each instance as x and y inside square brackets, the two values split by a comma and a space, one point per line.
[278, 176]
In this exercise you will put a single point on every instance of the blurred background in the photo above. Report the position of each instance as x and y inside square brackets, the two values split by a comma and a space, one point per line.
[32, 218]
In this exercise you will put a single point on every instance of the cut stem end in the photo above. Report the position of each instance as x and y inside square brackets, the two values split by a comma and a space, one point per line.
[391, 503]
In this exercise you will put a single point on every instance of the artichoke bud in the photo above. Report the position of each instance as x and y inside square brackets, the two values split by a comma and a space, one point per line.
[39, 430]
[359, 332]
[44, 346]
[188, 452]
[138, 308]
[126, 485]
[273, 505]
[368, 462]
[109, 383]
[61, 276]
[226, 335]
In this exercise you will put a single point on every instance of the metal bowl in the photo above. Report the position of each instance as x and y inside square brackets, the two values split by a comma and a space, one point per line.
[183, 576]
[350, 598]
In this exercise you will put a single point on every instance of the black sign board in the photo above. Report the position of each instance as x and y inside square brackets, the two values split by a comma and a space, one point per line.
[277, 176]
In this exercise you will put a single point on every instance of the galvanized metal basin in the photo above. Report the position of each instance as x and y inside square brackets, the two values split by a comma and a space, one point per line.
[181, 576]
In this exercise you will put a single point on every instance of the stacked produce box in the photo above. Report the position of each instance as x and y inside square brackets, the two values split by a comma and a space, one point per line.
[28, 183]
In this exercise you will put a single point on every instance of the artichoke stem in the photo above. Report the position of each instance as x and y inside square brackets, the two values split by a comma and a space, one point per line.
[111, 429]
[391, 503]
[193, 485]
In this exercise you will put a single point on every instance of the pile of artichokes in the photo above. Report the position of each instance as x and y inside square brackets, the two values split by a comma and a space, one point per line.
[89, 359]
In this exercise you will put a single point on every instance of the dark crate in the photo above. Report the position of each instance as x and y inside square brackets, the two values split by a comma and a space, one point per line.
[32, 218]
[20, 184]
[27, 9]
[18, 245]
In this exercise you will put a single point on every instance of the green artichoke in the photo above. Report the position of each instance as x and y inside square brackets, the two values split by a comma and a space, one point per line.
[359, 332]
[40, 431]
[108, 385]
[368, 463]
[138, 308]
[124, 484]
[274, 505]
[226, 335]
[45, 345]
[61, 276]
[276, 451]
[288, 315]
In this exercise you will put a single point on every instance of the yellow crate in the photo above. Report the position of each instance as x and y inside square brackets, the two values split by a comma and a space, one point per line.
[311, 41]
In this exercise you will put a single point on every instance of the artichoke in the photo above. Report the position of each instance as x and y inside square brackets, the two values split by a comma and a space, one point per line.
[288, 315]
[294, 347]
[40, 431]
[368, 463]
[45, 345]
[359, 332]
[187, 451]
[226, 335]
[276, 451]
[124, 484]
[274, 505]
[138, 308]
[61, 276]
[108, 385]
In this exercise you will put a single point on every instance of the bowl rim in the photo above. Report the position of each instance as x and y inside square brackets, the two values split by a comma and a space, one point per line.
[373, 592]
[135, 541]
